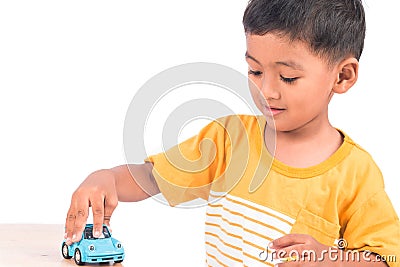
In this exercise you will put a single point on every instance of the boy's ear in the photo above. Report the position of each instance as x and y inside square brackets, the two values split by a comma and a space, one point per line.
[347, 75]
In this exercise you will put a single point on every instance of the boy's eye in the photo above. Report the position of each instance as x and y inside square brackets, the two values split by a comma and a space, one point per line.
[255, 72]
[288, 80]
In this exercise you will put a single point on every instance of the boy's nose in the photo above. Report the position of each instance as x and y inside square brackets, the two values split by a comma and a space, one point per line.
[269, 89]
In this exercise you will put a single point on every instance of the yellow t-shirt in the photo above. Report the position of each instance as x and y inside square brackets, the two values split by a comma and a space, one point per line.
[253, 198]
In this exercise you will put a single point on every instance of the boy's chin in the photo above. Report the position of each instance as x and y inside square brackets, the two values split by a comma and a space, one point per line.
[273, 126]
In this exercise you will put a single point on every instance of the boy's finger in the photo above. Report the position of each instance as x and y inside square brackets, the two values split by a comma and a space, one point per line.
[81, 215]
[69, 225]
[77, 214]
[288, 240]
[110, 203]
[97, 202]
[291, 253]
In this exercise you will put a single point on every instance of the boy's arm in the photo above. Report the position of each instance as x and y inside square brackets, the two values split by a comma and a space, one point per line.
[102, 190]
[135, 182]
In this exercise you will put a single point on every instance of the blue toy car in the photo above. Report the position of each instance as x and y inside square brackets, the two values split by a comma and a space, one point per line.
[94, 250]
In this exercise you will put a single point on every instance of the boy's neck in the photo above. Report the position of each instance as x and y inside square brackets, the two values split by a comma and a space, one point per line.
[306, 147]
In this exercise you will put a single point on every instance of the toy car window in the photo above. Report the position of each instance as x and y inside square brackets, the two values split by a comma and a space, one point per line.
[106, 233]
[88, 233]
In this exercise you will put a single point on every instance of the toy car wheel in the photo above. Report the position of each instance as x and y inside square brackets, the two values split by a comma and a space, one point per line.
[65, 252]
[118, 261]
[78, 257]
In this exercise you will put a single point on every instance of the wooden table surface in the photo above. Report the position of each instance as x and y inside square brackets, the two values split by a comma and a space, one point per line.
[35, 245]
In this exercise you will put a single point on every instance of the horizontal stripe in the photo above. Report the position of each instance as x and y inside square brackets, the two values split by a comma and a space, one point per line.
[223, 242]
[238, 219]
[237, 230]
[248, 258]
[213, 261]
[266, 239]
[223, 245]
[217, 196]
[286, 219]
[220, 252]
[270, 228]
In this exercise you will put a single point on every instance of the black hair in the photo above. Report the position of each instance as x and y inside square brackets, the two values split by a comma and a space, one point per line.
[333, 29]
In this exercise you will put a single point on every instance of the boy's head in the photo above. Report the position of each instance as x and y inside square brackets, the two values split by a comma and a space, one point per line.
[300, 53]
[333, 29]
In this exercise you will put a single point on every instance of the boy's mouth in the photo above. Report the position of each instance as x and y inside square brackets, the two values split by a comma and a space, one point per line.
[273, 111]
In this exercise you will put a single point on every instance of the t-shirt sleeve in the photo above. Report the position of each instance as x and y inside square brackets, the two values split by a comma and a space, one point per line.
[186, 171]
[375, 227]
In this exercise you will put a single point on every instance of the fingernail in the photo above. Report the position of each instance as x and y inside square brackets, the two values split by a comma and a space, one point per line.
[271, 244]
[74, 237]
[96, 234]
[68, 241]
[65, 235]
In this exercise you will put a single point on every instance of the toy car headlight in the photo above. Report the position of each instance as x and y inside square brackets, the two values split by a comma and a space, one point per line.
[91, 247]
[118, 245]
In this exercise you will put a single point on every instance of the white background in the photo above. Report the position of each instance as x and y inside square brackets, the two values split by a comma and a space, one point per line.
[69, 69]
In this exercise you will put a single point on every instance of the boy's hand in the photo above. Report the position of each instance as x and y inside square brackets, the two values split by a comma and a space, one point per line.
[297, 244]
[97, 191]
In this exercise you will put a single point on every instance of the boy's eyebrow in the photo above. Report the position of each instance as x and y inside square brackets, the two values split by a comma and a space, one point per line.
[247, 55]
[290, 63]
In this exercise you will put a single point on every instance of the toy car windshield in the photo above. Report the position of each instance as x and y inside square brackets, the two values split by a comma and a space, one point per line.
[88, 233]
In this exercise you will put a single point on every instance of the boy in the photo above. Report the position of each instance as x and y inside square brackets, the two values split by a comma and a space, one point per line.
[313, 186]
